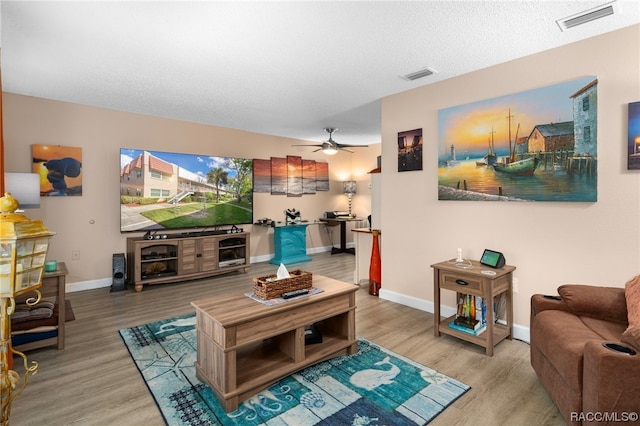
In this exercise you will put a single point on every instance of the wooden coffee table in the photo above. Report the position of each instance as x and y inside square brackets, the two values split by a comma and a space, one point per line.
[245, 346]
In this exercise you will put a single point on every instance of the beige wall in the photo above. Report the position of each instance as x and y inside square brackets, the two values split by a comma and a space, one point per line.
[90, 224]
[549, 243]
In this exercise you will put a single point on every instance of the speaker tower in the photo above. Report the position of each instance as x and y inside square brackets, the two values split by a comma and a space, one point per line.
[119, 267]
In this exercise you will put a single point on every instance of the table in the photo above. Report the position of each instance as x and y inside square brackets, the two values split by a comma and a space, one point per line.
[53, 285]
[364, 244]
[474, 282]
[244, 346]
[343, 233]
[290, 244]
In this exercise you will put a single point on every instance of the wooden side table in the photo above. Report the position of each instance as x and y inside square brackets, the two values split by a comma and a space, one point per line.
[474, 282]
[53, 285]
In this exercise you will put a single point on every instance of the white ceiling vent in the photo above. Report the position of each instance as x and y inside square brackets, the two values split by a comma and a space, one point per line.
[587, 16]
[419, 74]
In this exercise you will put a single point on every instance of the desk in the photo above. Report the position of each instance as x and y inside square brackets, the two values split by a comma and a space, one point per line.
[343, 233]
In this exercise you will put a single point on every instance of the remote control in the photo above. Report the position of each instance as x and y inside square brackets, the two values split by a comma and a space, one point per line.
[294, 293]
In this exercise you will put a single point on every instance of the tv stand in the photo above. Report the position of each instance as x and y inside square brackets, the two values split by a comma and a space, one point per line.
[181, 257]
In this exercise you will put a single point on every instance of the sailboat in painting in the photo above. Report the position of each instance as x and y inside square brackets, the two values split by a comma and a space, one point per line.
[526, 166]
[521, 167]
[490, 158]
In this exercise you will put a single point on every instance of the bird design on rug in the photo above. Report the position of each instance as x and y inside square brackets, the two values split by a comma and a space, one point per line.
[371, 378]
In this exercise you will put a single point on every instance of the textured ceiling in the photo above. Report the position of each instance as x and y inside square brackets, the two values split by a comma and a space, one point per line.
[279, 68]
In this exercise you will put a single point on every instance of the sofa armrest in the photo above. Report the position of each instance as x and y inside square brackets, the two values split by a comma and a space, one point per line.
[543, 302]
[610, 379]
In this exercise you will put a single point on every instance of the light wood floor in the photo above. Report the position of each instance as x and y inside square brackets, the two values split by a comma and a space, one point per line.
[93, 381]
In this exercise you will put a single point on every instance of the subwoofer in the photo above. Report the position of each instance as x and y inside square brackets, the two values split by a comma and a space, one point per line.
[119, 267]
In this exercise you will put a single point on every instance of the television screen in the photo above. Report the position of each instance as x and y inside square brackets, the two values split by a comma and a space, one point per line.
[164, 191]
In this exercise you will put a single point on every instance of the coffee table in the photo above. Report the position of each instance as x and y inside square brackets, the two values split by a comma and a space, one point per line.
[245, 346]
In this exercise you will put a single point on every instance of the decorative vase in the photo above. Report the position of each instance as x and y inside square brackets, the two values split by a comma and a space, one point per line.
[375, 267]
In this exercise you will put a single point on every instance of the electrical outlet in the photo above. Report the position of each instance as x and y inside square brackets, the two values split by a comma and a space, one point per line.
[75, 255]
[515, 285]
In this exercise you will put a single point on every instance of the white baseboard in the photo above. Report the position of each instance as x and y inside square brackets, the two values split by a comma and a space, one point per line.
[106, 282]
[88, 285]
[519, 332]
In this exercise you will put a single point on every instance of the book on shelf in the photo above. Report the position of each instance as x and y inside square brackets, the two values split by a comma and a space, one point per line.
[464, 329]
[472, 307]
[468, 323]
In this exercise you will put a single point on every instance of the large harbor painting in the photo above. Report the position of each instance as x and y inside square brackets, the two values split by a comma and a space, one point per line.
[538, 145]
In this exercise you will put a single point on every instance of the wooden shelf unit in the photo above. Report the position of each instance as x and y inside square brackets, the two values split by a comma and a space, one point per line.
[473, 282]
[245, 346]
[184, 258]
[53, 286]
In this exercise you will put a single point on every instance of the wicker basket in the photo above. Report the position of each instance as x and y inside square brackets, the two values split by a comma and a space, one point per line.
[266, 289]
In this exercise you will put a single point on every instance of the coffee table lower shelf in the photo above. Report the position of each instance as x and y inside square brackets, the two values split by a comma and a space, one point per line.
[265, 365]
[244, 346]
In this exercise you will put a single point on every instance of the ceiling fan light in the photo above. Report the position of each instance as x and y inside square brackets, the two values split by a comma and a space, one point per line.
[329, 150]
[329, 147]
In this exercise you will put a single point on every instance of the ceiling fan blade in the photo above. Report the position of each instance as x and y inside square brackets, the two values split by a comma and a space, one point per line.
[316, 150]
[341, 145]
[345, 149]
[308, 145]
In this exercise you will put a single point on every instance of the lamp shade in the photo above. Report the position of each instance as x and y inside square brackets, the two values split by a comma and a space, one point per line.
[25, 187]
[349, 187]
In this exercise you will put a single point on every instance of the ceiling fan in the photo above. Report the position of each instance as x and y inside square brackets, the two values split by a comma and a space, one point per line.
[330, 146]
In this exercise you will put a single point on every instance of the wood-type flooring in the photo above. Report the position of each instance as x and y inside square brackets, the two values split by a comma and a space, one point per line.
[93, 381]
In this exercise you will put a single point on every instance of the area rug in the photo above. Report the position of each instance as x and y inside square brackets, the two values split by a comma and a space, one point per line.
[372, 387]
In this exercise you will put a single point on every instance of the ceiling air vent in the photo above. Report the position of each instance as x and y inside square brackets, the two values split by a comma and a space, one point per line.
[419, 74]
[587, 16]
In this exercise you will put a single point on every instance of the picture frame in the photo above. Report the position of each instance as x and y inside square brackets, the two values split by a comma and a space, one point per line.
[633, 141]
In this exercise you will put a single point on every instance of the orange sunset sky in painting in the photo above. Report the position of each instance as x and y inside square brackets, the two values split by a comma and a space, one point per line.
[468, 127]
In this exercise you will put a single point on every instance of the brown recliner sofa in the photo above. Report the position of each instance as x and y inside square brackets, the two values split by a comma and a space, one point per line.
[586, 355]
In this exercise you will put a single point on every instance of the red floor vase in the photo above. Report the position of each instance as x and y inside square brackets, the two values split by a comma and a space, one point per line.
[375, 267]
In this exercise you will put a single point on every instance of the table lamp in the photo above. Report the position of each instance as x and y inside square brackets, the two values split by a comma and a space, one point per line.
[23, 250]
[349, 188]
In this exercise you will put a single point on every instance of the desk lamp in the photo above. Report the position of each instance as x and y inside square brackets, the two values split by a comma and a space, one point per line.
[349, 188]
[23, 250]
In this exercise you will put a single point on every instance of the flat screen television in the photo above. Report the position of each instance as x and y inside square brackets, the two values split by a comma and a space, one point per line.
[166, 191]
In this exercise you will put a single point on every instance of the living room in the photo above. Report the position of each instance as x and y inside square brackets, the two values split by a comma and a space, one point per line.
[549, 243]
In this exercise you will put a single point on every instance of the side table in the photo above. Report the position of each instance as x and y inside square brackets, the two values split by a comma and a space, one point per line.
[53, 285]
[290, 244]
[474, 282]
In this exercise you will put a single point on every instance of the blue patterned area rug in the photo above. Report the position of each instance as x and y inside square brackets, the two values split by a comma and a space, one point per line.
[372, 387]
